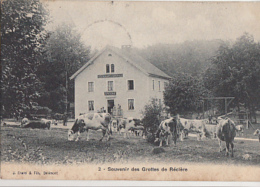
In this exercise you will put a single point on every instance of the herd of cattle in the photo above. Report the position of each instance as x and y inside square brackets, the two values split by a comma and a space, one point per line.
[174, 127]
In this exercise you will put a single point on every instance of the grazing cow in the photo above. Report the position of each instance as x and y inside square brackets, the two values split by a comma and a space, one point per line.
[226, 131]
[38, 125]
[240, 130]
[93, 121]
[129, 124]
[166, 128]
[257, 133]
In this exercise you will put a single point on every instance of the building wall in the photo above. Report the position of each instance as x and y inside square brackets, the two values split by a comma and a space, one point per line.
[154, 90]
[140, 94]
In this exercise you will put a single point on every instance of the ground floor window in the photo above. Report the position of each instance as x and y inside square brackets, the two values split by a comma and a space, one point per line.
[91, 105]
[131, 104]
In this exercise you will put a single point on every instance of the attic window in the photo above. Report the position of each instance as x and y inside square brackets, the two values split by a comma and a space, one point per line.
[109, 54]
[107, 68]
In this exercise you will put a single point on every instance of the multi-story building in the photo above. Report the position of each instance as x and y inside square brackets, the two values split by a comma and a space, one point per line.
[117, 78]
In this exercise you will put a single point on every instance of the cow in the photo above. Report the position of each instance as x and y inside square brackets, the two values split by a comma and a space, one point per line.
[138, 131]
[185, 132]
[240, 129]
[114, 125]
[38, 125]
[91, 121]
[195, 125]
[226, 131]
[129, 124]
[24, 122]
[257, 133]
[203, 132]
[166, 128]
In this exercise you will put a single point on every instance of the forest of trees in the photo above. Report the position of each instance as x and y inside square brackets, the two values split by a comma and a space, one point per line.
[37, 63]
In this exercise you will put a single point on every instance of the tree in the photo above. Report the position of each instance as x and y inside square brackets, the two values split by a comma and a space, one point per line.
[64, 54]
[22, 33]
[184, 94]
[235, 71]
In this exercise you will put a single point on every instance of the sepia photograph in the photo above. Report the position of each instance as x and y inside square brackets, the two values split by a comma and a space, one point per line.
[130, 90]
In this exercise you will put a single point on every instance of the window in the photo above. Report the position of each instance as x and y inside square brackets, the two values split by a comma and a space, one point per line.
[165, 85]
[131, 104]
[112, 68]
[160, 102]
[110, 85]
[130, 85]
[159, 85]
[107, 68]
[90, 86]
[153, 84]
[91, 105]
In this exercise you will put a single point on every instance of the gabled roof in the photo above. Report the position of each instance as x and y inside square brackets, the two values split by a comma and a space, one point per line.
[131, 57]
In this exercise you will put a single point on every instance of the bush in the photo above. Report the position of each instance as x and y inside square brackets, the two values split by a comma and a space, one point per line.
[152, 115]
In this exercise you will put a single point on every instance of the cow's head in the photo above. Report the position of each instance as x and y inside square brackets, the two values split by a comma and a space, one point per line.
[71, 135]
[105, 119]
[257, 132]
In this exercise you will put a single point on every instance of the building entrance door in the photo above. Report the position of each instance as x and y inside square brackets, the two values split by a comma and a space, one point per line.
[110, 105]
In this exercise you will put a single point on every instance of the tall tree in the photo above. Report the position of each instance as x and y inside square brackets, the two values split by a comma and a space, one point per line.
[64, 54]
[22, 33]
[235, 71]
[184, 94]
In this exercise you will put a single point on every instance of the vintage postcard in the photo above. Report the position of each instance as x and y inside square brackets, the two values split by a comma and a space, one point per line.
[117, 90]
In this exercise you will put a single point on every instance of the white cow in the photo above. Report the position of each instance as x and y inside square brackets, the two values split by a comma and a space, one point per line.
[240, 129]
[126, 125]
[196, 125]
[93, 121]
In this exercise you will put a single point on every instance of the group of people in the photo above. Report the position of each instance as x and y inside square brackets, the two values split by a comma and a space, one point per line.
[102, 110]
[116, 111]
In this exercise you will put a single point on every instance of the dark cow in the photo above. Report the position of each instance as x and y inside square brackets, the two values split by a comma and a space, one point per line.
[257, 133]
[226, 131]
[38, 125]
[166, 128]
[93, 121]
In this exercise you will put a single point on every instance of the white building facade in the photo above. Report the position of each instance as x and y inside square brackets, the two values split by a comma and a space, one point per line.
[117, 78]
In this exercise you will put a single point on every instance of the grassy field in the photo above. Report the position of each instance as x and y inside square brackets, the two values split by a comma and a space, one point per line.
[52, 147]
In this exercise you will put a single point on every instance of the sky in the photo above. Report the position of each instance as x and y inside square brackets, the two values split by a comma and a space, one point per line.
[141, 24]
